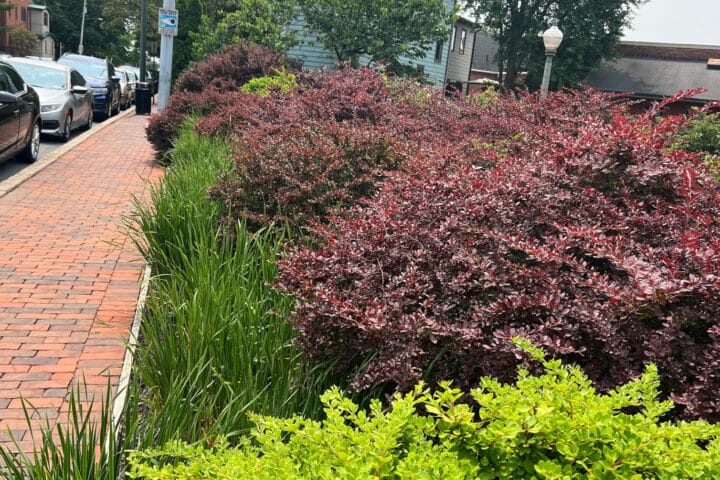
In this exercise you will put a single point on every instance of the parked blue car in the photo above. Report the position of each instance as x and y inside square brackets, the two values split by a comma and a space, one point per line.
[100, 76]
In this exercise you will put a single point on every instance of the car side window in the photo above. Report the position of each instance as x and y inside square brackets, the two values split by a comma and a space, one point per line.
[76, 79]
[4, 84]
[10, 81]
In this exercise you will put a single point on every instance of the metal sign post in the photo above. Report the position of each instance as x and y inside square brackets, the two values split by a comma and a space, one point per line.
[167, 27]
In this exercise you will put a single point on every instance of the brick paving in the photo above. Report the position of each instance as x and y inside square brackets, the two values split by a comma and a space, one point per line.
[69, 274]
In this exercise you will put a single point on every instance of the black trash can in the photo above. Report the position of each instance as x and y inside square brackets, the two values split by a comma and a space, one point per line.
[143, 98]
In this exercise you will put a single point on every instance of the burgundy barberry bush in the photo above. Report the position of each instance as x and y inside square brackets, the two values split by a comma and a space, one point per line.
[335, 137]
[588, 237]
[207, 87]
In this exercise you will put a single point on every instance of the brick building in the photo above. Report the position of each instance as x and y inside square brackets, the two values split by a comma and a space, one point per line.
[35, 18]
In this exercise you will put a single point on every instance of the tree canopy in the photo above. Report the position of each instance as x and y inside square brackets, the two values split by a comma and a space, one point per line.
[112, 29]
[382, 30]
[591, 30]
[263, 22]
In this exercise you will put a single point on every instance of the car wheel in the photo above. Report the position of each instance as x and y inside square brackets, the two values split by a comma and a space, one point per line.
[67, 127]
[116, 110]
[31, 151]
[88, 125]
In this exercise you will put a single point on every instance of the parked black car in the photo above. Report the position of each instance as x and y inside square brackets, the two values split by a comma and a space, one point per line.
[101, 79]
[19, 117]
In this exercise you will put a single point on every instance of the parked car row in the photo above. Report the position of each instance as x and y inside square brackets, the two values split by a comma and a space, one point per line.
[38, 96]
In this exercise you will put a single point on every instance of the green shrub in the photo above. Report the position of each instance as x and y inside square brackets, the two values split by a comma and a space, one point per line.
[263, 86]
[552, 426]
[701, 135]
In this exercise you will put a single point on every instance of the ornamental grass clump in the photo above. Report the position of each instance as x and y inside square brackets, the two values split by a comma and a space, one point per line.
[592, 239]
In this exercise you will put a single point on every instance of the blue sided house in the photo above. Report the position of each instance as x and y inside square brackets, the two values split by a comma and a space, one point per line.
[312, 55]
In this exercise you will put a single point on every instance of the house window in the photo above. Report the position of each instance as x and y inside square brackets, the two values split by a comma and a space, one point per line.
[463, 37]
[46, 19]
[23, 14]
[438, 51]
[452, 39]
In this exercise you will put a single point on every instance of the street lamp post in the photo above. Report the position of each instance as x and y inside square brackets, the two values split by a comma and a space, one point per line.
[552, 38]
[82, 26]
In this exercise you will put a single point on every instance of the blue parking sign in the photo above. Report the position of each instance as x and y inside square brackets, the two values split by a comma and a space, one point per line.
[167, 21]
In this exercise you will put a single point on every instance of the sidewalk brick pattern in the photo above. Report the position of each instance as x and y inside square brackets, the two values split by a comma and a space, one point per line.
[69, 274]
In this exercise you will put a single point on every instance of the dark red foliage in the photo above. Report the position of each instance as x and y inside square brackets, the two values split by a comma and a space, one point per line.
[237, 64]
[583, 233]
[303, 170]
[289, 149]
[209, 86]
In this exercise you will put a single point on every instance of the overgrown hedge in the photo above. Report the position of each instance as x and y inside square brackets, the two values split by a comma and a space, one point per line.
[552, 426]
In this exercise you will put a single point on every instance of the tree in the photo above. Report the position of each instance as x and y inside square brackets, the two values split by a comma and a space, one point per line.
[116, 36]
[591, 29]
[23, 42]
[382, 30]
[262, 22]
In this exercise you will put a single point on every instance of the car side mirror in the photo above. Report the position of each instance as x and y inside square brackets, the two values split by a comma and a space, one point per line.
[116, 79]
[7, 97]
[79, 90]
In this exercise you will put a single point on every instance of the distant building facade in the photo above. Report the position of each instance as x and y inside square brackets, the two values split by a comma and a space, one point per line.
[34, 18]
[39, 24]
[460, 54]
[652, 71]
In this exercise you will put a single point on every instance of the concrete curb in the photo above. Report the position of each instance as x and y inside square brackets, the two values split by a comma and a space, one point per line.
[122, 390]
[31, 170]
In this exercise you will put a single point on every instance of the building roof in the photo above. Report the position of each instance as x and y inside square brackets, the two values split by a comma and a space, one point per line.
[655, 78]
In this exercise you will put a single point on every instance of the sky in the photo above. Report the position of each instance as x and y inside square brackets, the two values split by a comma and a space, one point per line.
[692, 22]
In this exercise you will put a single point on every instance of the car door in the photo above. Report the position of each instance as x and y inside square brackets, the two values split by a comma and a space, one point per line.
[26, 115]
[9, 116]
[82, 103]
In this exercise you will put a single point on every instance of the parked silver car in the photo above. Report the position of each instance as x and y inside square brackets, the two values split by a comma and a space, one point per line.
[125, 94]
[65, 102]
[132, 81]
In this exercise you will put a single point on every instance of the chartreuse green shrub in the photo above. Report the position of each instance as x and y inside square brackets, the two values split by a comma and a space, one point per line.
[552, 426]
[281, 82]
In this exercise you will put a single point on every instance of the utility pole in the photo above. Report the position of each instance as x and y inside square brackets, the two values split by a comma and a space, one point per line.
[82, 27]
[167, 26]
[143, 38]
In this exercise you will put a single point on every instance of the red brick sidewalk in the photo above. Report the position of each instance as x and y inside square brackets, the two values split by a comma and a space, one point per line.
[69, 275]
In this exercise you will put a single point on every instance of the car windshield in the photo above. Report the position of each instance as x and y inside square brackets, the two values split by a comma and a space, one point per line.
[42, 77]
[87, 69]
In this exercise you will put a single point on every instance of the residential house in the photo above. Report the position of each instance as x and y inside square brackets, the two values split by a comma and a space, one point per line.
[312, 55]
[29, 16]
[460, 54]
[485, 69]
[39, 24]
[651, 71]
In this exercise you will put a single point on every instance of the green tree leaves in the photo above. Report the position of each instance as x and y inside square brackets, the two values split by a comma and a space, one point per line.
[379, 29]
[263, 22]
